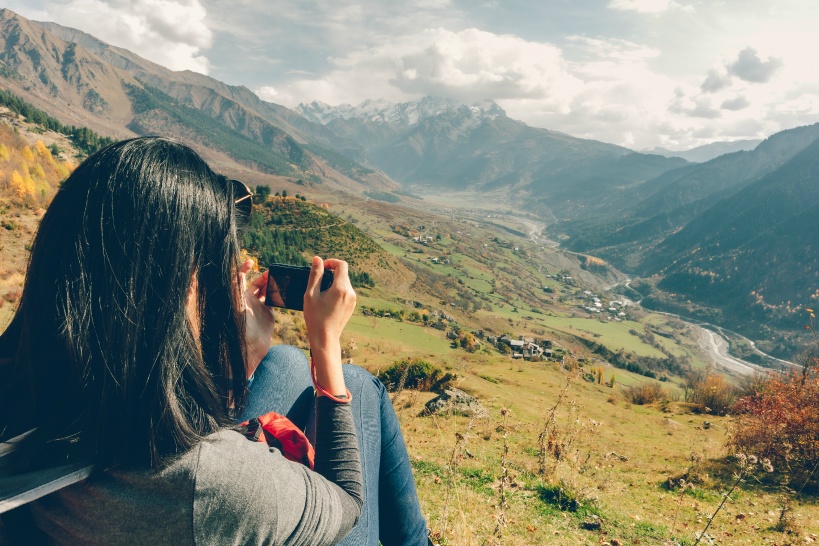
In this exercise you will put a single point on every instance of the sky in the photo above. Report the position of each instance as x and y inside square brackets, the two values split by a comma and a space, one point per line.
[638, 73]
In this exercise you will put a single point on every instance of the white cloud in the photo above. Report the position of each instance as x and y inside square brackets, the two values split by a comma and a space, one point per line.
[715, 81]
[268, 93]
[469, 65]
[172, 33]
[615, 49]
[648, 6]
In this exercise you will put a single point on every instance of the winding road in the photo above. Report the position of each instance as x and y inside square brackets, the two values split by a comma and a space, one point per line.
[717, 348]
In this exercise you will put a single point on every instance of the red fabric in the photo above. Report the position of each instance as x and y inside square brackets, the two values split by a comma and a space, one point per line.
[294, 444]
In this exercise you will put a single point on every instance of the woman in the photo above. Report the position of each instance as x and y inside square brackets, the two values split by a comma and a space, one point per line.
[131, 348]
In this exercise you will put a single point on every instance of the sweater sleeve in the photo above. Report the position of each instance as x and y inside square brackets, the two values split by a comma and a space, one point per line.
[337, 457]
[246, 493]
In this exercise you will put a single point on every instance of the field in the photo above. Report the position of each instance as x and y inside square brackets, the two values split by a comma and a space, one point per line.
[610, 483]
[615, 462]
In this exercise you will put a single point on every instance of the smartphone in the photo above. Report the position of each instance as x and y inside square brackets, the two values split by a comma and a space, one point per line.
[286, 285]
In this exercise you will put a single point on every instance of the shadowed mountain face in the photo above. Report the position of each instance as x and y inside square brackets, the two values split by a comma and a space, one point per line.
[83, 81]
[667, 203]
[753, 254]
[439, 144]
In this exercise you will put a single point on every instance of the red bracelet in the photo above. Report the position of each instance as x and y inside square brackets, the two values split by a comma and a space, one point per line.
[323, 392]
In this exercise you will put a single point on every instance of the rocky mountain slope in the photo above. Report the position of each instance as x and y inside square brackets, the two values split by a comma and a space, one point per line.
[83, 81]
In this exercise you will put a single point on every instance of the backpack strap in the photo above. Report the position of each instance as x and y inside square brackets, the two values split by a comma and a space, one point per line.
[17, 489]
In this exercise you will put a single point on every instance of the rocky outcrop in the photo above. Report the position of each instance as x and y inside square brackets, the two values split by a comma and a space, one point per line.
[454, 402]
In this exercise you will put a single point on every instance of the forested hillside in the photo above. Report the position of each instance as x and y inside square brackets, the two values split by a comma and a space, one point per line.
[626, 234]
[290, 229]
[33, 162]
[753, 256]
[29, 174]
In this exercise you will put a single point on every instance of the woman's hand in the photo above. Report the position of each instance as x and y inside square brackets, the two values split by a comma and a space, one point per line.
[259, 321]
[325, 314]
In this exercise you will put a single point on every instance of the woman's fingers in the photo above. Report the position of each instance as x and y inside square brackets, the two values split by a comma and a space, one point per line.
[341, 273]
[316, 273]
[258, 286]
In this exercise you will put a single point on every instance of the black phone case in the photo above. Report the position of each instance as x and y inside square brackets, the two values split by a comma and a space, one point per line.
[291, 281]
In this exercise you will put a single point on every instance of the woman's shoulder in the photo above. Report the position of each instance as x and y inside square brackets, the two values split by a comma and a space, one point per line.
[244, 487]
[227, 455]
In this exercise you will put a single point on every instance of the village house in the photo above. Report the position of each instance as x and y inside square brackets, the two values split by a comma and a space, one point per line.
[525, 348]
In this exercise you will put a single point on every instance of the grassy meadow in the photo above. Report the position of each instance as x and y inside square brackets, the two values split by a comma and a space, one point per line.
[605, 475]
[614, 464]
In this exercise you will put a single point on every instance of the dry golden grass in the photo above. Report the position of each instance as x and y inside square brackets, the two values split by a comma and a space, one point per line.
[617, 462]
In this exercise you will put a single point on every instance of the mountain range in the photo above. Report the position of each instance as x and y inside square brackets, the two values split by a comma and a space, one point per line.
[84, 81]
[702, 228]
[435, 144]
[665, 204]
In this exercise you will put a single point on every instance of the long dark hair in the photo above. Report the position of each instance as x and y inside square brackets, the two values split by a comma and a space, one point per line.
[100, 356]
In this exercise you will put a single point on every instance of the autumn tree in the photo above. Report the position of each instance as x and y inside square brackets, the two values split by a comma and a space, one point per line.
[27, 154]
[17, 185]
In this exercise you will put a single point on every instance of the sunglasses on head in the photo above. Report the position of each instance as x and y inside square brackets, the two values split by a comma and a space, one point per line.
[242, 198]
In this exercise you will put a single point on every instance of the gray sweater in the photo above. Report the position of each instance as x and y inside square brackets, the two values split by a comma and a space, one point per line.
[226, 490]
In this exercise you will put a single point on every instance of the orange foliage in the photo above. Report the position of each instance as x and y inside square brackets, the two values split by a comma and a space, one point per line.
[711, 393]
[779, 422]
[27, 154]
[31, 174]
[17, 185]
[41, 149]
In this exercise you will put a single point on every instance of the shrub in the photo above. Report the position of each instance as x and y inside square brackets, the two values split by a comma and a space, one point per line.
[710, 393]
[779, 423]
[414, 373]
[361, 279]
[647, 393]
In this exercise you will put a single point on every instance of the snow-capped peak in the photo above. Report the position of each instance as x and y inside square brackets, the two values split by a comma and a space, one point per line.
[403, 114]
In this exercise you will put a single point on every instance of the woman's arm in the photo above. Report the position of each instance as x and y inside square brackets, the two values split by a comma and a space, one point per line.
[262, 497]
[337, 458]
[325, 314]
